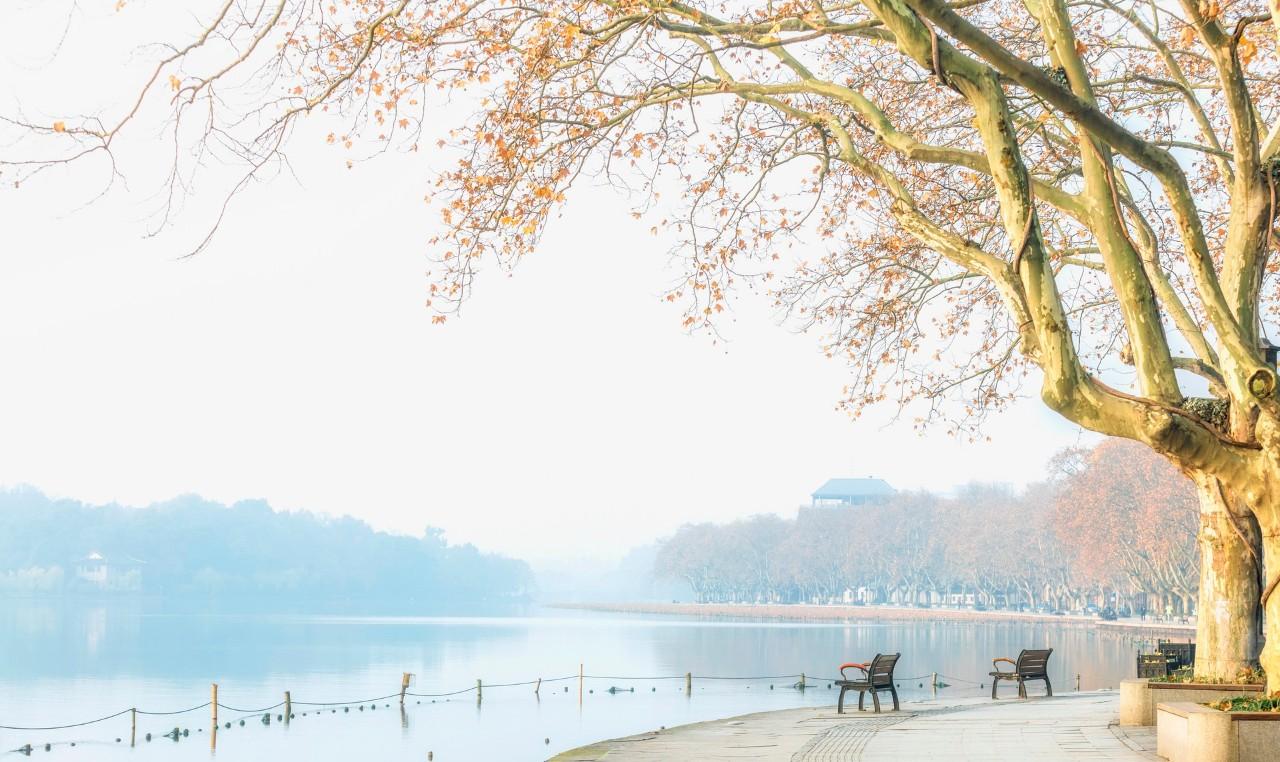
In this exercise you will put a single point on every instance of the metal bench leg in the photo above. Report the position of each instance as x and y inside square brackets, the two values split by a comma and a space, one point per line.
[994, 682]
[840, 703]
[861, 695]
[894, 692]
[1022, 688]
[875, 699]
[1047, 686]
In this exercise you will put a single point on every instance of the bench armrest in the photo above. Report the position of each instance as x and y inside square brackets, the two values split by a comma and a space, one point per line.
[995, 664]
[858, 665]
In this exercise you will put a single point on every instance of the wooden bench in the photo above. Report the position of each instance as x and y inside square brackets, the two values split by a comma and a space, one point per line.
[1179, 655]
[1032, 664]
[876, 676]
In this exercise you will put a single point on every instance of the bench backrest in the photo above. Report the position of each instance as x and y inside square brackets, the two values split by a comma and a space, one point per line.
[1033, 662]
[1181, 654]
[1153, 665]
[880, 673]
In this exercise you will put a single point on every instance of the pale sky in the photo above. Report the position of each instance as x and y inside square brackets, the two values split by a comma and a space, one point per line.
[565, 415]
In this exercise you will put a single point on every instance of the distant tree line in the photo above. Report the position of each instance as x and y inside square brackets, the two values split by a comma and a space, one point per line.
[1113, 526]
[192, 545]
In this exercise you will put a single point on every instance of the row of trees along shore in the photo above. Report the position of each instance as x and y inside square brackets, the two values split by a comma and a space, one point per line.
[958, 198]
[1110, 526]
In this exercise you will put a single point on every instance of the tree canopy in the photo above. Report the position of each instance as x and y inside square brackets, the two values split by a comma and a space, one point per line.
[1112, 524]
[191, 545]
[973, 192]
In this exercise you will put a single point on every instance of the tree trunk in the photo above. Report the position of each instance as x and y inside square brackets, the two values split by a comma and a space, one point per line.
[1228, 625]
[1271, 653]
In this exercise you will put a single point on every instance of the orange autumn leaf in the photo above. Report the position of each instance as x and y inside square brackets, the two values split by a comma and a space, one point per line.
[1246, 50]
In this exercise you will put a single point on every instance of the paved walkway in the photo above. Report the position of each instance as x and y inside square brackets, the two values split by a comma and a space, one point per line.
[1076, 726]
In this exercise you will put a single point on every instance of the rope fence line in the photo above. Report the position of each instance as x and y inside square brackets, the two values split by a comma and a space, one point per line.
[247, 711]
[169, 714]
[342, 703]
[72, 725]
[803, 679]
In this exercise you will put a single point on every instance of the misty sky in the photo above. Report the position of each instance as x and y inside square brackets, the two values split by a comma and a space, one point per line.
[565, 415]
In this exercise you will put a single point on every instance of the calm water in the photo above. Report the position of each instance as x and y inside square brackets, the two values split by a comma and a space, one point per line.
[65, 663]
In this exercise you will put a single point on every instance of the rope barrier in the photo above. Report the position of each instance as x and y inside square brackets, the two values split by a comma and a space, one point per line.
[616, 677]
[442, 695]
[341, 703]
[250, 712]
[72, 725]
[513, 685]
[169, 714]
[754, 677]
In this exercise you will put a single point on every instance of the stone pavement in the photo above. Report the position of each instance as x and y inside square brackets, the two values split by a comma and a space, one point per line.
[1074, 726]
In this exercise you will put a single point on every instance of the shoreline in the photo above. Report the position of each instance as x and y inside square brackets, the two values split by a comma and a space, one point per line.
[844, 613]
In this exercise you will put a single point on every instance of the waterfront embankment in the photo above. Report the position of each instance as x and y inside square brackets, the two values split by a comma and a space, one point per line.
[1074, 726]
[841, 613]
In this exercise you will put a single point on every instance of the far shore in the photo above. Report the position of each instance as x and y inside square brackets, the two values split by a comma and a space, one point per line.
[841, 613]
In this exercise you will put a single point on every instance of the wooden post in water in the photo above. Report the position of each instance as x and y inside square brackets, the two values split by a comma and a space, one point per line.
[404, 685]
[479, 691]
[801, 681]
[133, 726]
[688, 683]
[579, 683]
[288, 707]
[935, 684]
[537, 687]
[1077, 682]
[213, 734]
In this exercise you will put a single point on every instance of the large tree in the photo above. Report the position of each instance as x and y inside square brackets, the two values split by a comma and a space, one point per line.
[1080, 188]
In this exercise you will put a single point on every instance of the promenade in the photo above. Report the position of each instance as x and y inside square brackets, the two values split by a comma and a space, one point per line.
[1075, 726]
[845, 612]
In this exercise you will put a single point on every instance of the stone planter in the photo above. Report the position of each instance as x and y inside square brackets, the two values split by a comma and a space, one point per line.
[1189, 732]
[1139, 697]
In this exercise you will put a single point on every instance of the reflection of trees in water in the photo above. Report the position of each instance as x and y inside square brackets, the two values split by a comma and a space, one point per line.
[962, 650]
[137, 638]
[138, 641]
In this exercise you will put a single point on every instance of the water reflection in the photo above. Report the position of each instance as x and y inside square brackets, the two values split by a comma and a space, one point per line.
[67, 662]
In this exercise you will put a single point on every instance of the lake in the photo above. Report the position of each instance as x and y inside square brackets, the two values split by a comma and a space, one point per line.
[67, 662]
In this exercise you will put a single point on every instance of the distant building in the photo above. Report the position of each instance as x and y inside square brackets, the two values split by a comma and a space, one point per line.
[852, 492]
[95, 571]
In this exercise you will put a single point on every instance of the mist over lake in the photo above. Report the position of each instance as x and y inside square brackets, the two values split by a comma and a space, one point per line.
[81, 659]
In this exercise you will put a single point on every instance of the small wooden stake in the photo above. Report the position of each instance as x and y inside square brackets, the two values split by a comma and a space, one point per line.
[288, 707]
[213, 734]
[537, 687]
[688, 683]
[579, 683]
[935, 684]
[404, 685]
[801, 681]
[479, 690]
[1077, 682]
[133, 725]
